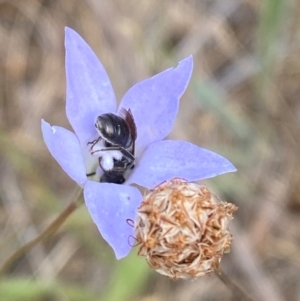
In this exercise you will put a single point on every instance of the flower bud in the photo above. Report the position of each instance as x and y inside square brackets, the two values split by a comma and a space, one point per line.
[181, 229]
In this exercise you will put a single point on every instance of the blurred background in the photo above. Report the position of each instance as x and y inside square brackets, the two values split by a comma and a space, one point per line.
[242, 102]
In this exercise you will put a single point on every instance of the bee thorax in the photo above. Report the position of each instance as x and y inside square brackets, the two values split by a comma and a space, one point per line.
[107, 159]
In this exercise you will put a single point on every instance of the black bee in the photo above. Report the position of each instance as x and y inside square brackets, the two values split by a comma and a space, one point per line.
[119, 134]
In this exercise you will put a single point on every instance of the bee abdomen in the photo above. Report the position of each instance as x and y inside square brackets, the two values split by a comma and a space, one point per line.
[114, 130]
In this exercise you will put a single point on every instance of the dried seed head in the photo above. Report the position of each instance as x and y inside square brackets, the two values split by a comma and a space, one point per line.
[181, 229]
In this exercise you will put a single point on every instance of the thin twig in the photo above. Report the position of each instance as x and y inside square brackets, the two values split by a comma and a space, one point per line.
[233, 286]
[52, 228]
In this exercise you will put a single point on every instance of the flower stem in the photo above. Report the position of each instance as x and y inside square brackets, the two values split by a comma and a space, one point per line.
[233, 286]
[52, 228]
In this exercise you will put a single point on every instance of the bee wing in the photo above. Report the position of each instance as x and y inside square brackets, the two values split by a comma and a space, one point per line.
[127, 115]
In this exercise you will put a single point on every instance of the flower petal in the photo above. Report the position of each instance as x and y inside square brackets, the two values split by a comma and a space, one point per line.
[169, 159]
[65, 148]
[110, 206]
[154, 103]
[89, 91]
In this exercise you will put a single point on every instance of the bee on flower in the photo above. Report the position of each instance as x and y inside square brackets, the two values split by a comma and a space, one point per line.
[113, 147]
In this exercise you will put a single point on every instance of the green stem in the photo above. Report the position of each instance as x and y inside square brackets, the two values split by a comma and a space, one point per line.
[52, 228]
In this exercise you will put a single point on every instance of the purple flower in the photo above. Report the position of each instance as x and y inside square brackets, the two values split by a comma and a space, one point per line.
[154, 104]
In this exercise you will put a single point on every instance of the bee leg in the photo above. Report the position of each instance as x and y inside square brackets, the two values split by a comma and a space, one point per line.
[128, 155]
[90, 174]
[93, 143]
[100, 164]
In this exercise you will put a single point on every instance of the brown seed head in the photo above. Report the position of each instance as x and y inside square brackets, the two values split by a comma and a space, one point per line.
[181, 229]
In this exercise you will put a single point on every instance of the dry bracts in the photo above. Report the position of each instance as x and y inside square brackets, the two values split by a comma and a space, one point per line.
[182, 229]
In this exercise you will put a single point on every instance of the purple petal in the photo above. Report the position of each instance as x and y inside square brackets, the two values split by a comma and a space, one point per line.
[65, 148]
[154, 103]
[168, 159]
[89, 91]
[110, 206]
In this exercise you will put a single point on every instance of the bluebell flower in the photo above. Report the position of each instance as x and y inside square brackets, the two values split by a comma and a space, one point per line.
[154, 104]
